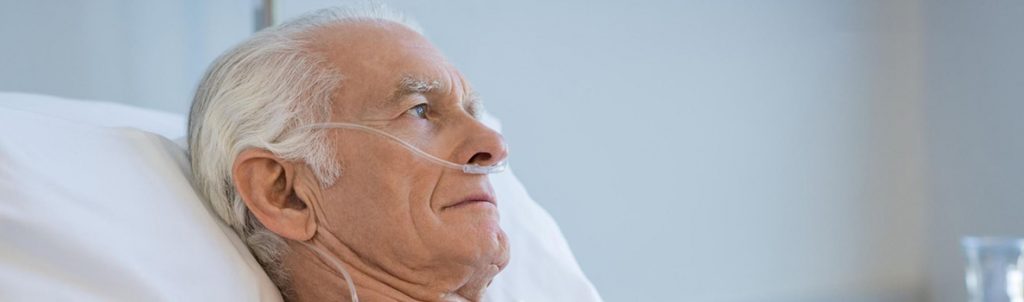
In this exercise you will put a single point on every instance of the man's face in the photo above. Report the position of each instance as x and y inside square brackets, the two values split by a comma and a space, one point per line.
[392, 208]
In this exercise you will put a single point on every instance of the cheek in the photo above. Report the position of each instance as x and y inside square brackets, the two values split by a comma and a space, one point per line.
[385, 171]
[381, 203]
[387, 203]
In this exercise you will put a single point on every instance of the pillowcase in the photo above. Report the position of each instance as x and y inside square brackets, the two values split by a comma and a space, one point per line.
[94, 213]
[97, 204]
[97, 113]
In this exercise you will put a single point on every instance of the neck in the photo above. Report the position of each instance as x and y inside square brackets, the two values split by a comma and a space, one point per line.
[314, 278]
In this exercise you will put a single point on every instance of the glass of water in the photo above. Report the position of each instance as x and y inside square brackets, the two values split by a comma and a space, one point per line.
[995, 269]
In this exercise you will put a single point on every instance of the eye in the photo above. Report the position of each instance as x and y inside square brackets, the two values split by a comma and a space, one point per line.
[419, 111]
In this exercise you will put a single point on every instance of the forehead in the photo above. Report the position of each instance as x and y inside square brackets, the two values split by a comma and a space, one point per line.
[375, 58]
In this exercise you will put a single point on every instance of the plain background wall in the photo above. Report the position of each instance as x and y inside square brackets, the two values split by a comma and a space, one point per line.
[975, 109]
[691, 151]
[146, 53]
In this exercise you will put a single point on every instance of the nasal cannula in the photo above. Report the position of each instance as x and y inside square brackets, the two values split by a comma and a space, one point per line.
[465, 168]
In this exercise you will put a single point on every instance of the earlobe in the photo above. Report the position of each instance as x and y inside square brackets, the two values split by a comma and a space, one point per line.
[266, 183]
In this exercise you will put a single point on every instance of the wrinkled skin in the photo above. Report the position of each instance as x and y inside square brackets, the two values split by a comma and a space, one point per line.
[403, 227]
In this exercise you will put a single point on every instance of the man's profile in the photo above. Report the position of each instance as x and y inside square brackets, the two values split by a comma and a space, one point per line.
[402, 227]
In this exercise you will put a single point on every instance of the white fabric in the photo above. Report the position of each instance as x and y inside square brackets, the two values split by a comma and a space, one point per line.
[105, 114]
[91, 212]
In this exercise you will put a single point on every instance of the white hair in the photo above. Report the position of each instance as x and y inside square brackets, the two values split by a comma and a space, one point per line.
[249, 98]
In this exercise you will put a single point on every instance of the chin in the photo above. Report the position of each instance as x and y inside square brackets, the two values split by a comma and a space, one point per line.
[505, 251]
[496, 249]
[478, 241]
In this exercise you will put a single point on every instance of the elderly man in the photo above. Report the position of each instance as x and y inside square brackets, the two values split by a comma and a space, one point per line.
[363, 199]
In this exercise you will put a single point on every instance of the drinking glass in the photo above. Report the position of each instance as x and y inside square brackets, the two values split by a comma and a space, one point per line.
[995, 269]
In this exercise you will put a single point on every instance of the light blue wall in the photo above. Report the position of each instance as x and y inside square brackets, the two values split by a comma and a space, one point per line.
[147, 53]
[975, 106]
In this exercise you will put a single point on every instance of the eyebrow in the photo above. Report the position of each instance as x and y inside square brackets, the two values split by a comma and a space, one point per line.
[410, 85]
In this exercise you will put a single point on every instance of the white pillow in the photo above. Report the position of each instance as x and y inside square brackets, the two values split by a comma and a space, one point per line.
[97, 113]
[89, 212]
[93, 213]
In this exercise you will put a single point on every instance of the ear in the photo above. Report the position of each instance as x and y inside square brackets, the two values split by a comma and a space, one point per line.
[266, 184]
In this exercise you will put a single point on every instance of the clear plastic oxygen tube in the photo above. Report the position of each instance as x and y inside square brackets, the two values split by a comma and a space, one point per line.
[337, 266]
[467, 168]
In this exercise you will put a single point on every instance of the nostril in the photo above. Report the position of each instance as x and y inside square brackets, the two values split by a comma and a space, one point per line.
[480, 158]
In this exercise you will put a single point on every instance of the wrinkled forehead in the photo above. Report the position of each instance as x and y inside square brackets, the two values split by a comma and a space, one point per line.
[378, 58]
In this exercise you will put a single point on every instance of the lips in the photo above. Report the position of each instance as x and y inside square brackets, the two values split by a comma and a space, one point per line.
[471, 199]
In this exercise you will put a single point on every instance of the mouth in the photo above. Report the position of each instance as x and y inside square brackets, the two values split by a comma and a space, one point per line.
[473, 199]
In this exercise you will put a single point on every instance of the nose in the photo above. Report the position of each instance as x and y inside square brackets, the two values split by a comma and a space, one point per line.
[483, 146]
